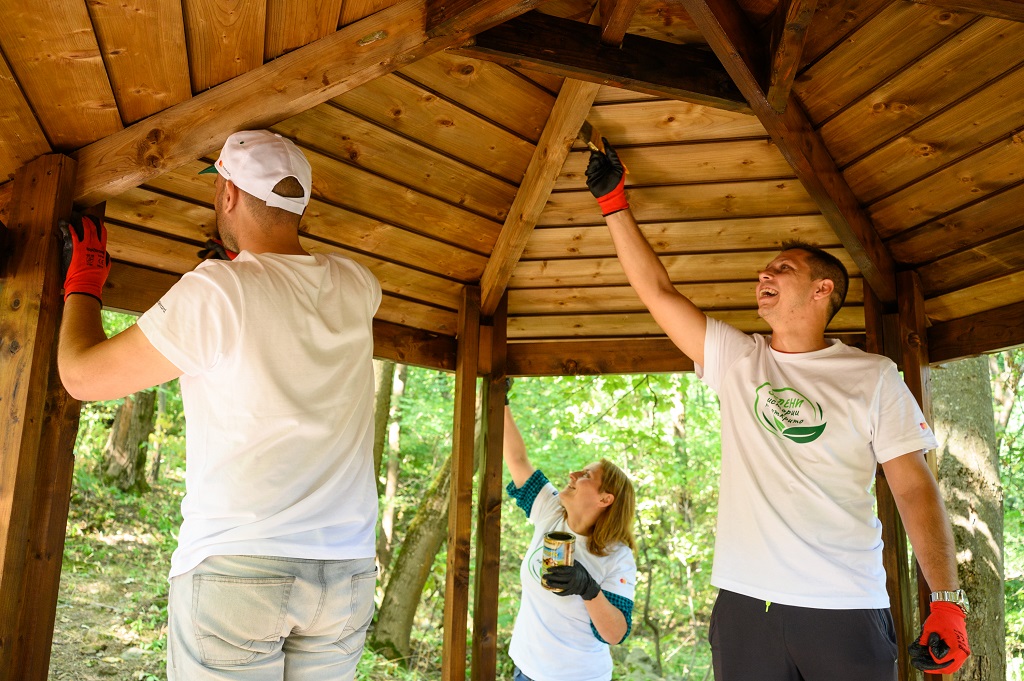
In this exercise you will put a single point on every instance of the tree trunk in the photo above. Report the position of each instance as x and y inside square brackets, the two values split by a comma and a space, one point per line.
[124, 457]
[385, 537]
[426, 533]
[161, 416]
[969, 475]
[383, 379]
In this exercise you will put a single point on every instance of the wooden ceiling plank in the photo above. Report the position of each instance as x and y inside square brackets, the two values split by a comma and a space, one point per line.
[549, 82]
[662, 122]
[616, 16]
[688, 202]
[666, 21]
[567, 115]
[47, 42]
[487, 89]
[23, 140]
[835, 20]
[678, 164]
[975, 122]
[579, 358]
[354, 10]
[733, 40]
[415, 112]
[225, 39]
[981, 263]
[972, 177]
[896, 36]
[328, 129]
[416, 315]
[639, 324]
[285, 86]
[294, 23]
[390, 202]
[1003, 9]
[144, 80]
[574, 50]
[581, 300]
[682, 269]
[729, 234]
[977, 334]
[792, 19]
[996, 215]
[976, 55]
[974, 299]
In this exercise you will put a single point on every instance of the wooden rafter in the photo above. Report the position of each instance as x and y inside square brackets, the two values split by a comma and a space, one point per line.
[574, 50]
[567, 115]
[1003, 9]
[788, 34]
[733, 39]
[977, 334]
[289, 85]
[615, 18]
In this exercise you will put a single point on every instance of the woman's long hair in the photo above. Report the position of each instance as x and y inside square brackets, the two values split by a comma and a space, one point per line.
[615, 524]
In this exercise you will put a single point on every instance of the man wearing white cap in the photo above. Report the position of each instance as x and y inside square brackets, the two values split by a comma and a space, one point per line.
[274, 574]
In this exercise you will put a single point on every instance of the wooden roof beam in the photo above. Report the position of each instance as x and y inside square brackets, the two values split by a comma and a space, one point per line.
[1003, 9]
[291, 84]
[730, 35]
[616, 16]
[977, 334]
[567, 116]
[572, 49]
[792, 17]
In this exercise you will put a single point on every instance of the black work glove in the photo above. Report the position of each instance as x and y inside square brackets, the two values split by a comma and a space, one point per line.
[508, 387]
[571, 580]
[606, 179]
[214, 249]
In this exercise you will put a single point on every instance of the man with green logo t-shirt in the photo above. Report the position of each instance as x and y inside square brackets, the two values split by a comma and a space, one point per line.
[805, 422]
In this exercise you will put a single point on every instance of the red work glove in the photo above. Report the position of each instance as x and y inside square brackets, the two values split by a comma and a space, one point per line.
[88, 264]
[945, 627]
[216, 250]
[606, 179]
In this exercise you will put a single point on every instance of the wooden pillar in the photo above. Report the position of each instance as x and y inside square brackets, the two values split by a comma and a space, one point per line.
[894, 535]
[488, 520]
[456, 592]
[40, 420]
[913, 333]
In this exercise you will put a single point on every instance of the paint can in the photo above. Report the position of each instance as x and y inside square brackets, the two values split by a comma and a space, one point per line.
[558, 549]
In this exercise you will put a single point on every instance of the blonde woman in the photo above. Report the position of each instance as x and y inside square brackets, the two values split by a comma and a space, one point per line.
[566, 634]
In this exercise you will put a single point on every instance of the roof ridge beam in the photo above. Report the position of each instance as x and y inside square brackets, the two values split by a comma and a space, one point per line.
[731, 36]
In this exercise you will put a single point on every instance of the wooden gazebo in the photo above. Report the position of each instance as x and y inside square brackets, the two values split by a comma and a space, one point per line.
[443, 142]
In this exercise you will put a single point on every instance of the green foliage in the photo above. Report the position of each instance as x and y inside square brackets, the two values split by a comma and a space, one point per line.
[1008, 378]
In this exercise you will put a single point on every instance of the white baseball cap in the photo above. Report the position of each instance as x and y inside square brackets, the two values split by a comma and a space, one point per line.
[256, 160]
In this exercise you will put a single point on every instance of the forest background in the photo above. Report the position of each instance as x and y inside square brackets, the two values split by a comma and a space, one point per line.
[661, 428]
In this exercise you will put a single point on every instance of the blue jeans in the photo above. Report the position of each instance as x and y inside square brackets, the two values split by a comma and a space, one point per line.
[519, 676]
[261, 618]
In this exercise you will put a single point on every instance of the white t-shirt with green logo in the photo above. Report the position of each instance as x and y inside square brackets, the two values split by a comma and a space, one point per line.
[801, 437]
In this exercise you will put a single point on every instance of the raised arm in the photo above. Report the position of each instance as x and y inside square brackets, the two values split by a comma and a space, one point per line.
[514, 451]
[683, 322]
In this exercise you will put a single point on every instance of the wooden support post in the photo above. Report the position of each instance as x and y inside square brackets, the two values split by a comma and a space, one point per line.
[917, 375]
[35, 445]
[894, 535]
[488, 519]
[456, 592]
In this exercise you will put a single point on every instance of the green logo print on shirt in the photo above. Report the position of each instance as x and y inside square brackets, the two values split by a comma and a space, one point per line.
[787, 413]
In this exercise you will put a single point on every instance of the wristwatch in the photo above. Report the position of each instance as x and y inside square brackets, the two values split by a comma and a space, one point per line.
[958, 598]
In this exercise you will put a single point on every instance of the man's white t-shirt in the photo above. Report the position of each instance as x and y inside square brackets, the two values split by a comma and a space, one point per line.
[802, 435]
[277, 385]
[553, 639]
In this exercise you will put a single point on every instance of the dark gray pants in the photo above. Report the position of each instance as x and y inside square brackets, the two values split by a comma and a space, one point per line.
[750, 642]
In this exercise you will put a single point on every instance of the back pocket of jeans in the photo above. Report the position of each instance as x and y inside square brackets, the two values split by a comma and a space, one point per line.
[354, 634]
[237, 619]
